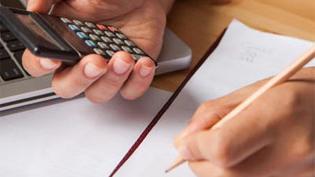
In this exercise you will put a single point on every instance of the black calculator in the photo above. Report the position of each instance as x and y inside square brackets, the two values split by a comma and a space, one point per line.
[66, 39]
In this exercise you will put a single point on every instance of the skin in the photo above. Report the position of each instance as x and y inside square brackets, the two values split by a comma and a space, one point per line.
[143, 21]
[274, 137]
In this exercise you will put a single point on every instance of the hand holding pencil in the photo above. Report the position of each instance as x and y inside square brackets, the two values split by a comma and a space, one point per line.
[264, 129]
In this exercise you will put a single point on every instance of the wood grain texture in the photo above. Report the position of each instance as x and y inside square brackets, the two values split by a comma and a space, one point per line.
[199, 23]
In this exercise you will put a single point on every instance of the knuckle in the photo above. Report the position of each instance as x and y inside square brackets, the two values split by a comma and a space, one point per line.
[220, 153]
[292, 98]
[114, 82]
[95, 97]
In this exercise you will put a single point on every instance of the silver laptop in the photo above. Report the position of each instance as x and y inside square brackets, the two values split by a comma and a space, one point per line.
[18, 88]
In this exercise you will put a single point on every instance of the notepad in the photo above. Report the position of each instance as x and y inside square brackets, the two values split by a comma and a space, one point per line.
[74, 138]
[243, 56]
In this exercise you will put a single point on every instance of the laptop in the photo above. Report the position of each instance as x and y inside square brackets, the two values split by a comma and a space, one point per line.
[18, 88]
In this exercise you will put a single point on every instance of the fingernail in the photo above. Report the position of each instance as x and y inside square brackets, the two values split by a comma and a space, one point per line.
[121, 67]
[92, 71]
[185, 152]
[48, 64]
[145, 70]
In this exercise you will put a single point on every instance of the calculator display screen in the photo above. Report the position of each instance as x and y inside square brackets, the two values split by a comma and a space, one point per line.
[36, 29]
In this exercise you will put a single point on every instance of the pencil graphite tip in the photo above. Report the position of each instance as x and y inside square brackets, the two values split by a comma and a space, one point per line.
[175, 164]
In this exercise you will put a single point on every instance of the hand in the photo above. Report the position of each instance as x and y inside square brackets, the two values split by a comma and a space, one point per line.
[274, 137]
[141, 20]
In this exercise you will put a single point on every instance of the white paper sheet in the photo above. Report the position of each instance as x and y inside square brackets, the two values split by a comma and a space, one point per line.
[74, 138]
[243, 57]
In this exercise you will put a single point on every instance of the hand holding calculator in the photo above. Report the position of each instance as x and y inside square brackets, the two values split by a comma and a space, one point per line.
[66, 39]
[72, 42]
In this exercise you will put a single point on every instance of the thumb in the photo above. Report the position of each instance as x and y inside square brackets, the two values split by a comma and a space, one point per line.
[42, 6]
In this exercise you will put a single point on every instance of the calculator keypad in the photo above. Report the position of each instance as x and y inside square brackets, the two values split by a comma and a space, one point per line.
[104, 40]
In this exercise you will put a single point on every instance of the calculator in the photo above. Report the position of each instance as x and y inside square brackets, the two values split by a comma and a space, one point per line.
[67, 39]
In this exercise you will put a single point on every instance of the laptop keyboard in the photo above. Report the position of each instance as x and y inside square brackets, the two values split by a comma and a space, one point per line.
[11, 51]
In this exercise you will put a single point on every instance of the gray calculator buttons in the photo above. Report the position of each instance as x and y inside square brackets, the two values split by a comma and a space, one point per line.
[65, 20]
[102, 45]
[118, 41]
[138, 51]
[121, 36]
[98, 32]
[77, 22]
[94, 37]
[127, 49]
[99, 51]
[109, 34]
[106, 39]
[136, 57]
[86, 30]
[90, 25]
[129, 43]
[110, 53]
[114, 47]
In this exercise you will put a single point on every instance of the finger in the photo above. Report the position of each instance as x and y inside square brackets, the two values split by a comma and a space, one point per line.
[42, 6]
[205, 117]
[258, 166]
[140, 79]
[119, 69]
[237, 139]
[38, 66]
[73, 81]
[206, 169]
[210, 112]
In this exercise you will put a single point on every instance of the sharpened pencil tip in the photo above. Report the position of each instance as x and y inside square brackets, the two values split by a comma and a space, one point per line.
[175, 164]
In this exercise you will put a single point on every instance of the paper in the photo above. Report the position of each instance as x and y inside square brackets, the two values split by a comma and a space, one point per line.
[243, 57]
[74, 138]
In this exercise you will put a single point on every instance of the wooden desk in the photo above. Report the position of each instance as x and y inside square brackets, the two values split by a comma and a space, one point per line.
[199, 23]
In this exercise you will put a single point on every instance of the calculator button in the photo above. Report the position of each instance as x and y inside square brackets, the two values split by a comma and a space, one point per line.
[118, 41]
[98, 32]
[109, 34]
[15, 46]
[136, 57]
[102, 45]
[2, 28]
[110, 53]
[106, 39]
[9, 70]
[86, 30]
[99, 51]
[74, 27]
[113, 29]
[114, 47]
[129, 43]
[127, 49]
[101, 27]
[121, 36]
[138, 51]
[65, 20]
[82, 35]
[78, 22]
[90, 25]
[7, 36]
[3, 54]
[90, 43]
[94, 37]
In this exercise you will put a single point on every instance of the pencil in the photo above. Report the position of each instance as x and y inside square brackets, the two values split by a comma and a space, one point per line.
[278, 79]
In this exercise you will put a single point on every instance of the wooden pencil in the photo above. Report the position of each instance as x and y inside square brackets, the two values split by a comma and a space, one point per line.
[278, 79]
